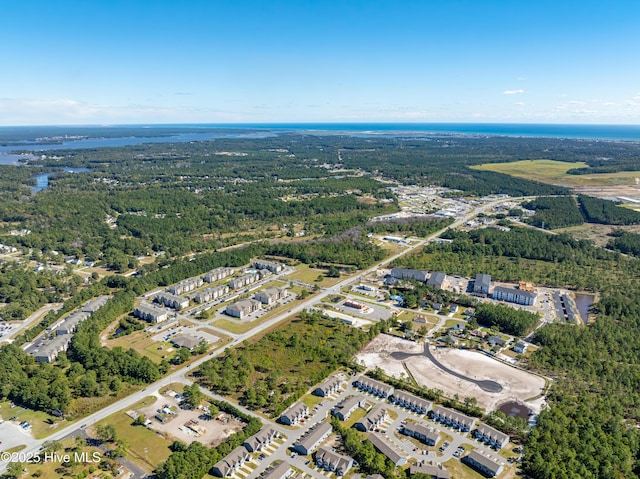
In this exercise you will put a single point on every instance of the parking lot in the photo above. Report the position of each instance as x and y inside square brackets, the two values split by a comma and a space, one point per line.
[373, 312]
[188, 425]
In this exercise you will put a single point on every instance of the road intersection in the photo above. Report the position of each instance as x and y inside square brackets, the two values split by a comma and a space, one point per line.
[181, 376]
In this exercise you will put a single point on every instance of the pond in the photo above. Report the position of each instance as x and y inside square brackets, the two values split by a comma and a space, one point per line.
[42, 180]
[584, 302]
[515, 409]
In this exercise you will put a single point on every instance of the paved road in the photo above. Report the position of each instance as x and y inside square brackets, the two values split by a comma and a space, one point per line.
[27, 322]
[180, 376]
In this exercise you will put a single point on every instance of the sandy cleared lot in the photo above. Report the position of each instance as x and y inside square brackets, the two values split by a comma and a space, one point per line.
[517, 385]
[214, 431]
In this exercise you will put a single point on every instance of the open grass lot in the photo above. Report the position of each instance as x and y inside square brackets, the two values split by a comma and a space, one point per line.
[140, 341]
[355, 417]
[461, 471]
[143, 343]
[555, 172]
[236, 327]
[311, 401]
[84, 406]
[308, 275]
[42, 424]
[599, 234]
[54, 470]
[146, 448]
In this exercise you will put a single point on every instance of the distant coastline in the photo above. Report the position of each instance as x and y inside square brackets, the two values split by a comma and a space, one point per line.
[530, 130]
[51, 138]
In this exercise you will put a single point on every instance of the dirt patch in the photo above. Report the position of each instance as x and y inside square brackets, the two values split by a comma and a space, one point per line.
[599, 234]
[516, 384]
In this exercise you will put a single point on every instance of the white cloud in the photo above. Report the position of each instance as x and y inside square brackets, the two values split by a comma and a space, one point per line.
[72, 112]
[522, 78]
[520, 103]
[513, 92]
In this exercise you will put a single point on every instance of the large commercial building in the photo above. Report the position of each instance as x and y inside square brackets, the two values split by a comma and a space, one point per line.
[452, 418]
[374, 387]
[331, 461]
[294, 413]
[410, 401]
[488, 465]
[482, 284]
[150, 313]
[512, 295]
[269, 296]
[313, 438]
[242, 308]
[414, 274]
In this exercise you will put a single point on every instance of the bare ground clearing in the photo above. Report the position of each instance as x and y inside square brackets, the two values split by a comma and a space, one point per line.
[517, 385]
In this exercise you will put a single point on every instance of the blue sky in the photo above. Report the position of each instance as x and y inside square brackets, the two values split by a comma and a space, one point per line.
[209, 61]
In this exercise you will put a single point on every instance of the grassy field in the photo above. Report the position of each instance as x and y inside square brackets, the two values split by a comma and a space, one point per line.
[54, 470]
[309, 275]
[311, 401]
[42, 424]
[355, 417]
[555, 172]
[235, 327]
[599, 234]
[461, 471]
[146, 448]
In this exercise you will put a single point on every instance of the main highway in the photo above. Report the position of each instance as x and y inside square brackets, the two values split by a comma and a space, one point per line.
[181, 375]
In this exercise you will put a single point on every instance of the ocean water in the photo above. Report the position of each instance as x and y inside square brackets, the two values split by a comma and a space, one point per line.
[601, 132]
[203, 132]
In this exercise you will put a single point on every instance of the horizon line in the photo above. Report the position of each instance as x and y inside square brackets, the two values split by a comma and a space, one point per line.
[302, 123]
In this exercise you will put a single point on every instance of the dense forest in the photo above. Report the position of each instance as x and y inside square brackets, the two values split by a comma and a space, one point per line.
[522, 254]
[311, 198]
[517, 322]
[274, 372]
[625, 242]
[563, 211]
[554, 212]
[606, 212]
